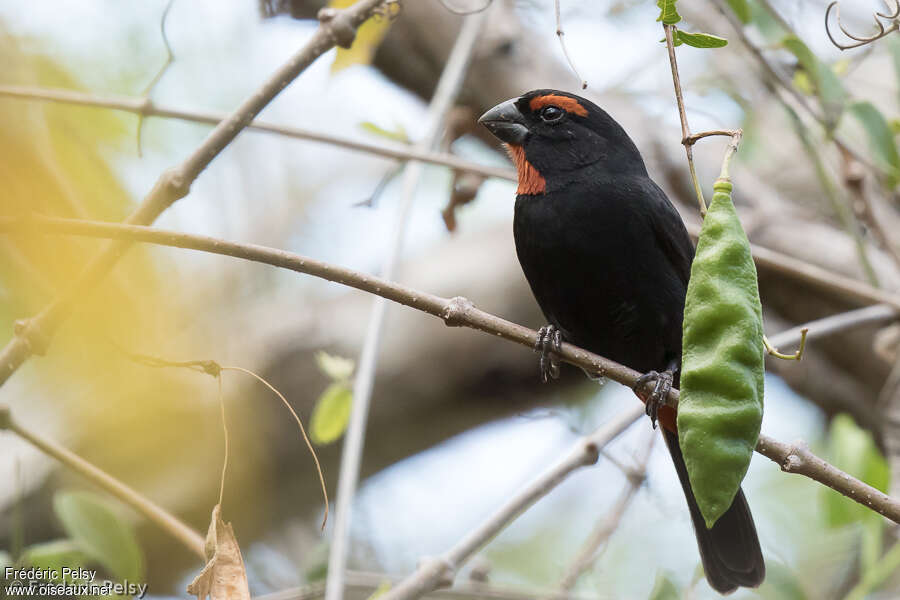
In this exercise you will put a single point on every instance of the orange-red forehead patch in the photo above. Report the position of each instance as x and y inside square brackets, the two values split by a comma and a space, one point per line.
[564, 102]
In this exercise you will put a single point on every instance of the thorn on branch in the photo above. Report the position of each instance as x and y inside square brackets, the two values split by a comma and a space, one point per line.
[454, 314]
[883, 31]
[339, 25]
[30, 332]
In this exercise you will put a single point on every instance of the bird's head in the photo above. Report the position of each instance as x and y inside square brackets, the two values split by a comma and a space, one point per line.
[553, 135]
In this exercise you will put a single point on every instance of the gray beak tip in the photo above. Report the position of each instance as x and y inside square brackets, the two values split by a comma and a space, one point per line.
[505, 122]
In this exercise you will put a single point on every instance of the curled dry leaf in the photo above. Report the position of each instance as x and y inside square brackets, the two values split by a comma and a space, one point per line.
[223, 577]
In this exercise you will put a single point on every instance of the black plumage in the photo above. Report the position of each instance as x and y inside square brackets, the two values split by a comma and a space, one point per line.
[608, 259]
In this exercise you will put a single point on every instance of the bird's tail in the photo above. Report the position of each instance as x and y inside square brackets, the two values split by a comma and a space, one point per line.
[730, 550]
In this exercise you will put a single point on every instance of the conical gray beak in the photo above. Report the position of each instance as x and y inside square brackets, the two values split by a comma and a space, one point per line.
[506, 122]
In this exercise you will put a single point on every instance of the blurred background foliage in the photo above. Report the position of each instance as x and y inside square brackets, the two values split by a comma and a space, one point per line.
[459, 422]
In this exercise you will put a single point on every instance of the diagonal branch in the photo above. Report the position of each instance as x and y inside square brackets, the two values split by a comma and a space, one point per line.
[460, 312]
[147, 108]
[32, 336]
[437, 572]
[154, 513]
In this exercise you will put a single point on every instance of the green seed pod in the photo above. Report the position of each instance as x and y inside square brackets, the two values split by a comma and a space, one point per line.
[721, 404]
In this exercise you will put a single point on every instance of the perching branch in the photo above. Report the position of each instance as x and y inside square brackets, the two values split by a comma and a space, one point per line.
[191, 539]
[32, 336]
[437, 572]
[457, 312]
[147, 108]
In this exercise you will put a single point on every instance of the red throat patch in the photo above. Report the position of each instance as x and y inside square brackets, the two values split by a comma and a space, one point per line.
[530, 181]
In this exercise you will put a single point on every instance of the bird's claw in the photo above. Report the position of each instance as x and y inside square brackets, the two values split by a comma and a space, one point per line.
[549, 343]
[662, 385]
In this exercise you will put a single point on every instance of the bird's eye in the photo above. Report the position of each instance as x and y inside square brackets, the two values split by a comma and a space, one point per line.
[552, 113]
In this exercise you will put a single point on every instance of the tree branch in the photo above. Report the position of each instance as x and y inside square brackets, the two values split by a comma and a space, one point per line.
[191, 539]
[455, 312]
[32, 336]
[147, 108]
[437, 572]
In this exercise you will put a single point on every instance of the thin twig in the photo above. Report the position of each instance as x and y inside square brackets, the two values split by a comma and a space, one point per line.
[33, 336]
[170, 58]
[682, 114]
[862, 41]
[589, 551]
[559, 34]
[460, 312]
[149, 108]
[437, 572]
[448, 87]
[154, 513]
[294, 414]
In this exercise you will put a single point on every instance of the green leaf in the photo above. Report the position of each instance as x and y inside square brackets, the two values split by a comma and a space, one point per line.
[741, 10]
[881, 138]
[826, 84]
[667, 12]
[664, 589]
[331, 414]
[56, 555]
[699, 40]
[853, 450]
[398, 134]
[100, 533]
[336, 367]
[721, 405]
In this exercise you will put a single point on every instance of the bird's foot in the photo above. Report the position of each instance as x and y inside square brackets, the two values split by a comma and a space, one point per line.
[549, 343]
[662, 384]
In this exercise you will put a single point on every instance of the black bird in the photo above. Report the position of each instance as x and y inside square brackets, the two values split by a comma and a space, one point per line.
[608, 260]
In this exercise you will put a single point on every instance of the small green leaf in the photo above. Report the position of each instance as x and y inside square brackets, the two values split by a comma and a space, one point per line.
[667, 12]
[337, 368]
[331, 414]
[398, 134]
[831, 93]
[853, 450]
[699, 40]
[664, 589]
[881, 138]
[55, 555]
[741, 10]
[100, 533]
[721, 405]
